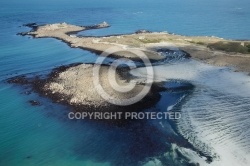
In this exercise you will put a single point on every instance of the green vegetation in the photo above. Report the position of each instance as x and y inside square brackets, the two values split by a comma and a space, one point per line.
[150, 40]
[192, 42]
[231, 47]
[248, 46]
[199, 42]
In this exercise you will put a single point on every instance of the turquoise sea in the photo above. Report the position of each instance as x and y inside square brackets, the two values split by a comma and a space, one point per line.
[42, 135]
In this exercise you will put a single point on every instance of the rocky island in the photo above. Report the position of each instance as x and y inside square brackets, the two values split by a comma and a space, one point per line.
[73, 85]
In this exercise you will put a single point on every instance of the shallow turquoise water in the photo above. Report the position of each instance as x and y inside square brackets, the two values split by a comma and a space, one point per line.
[43, 135]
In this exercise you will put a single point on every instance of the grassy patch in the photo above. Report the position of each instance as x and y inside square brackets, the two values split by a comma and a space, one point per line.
[248, 46]
[231, 47]
[199, 42]
[191, 41]
[150, 40]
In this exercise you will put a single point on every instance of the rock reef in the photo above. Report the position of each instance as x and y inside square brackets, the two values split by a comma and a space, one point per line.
[77, 84]
[73, 85]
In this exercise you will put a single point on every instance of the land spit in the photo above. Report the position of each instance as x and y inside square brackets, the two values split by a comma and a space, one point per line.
[74, 86]
[212, 50]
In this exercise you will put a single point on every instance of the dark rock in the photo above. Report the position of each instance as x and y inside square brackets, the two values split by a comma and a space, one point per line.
[167, 50]
[28, 157]
[31, 25]
[103, 25]
[18, 80]
[194, 164]
[22, 33]
[98, 26]
[27, 92]
[142, 31]
[34, 103]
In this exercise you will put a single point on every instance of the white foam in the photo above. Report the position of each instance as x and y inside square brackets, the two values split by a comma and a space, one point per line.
[215, 119]
[154, 162]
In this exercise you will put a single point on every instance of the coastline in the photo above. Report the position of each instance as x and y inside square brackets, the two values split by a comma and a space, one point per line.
[152, 44]
[197, 112]
[62, 85]
[40, 86]
[65, 32]
[198, 47]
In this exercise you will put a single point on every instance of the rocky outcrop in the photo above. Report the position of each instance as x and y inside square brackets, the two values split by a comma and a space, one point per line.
[142, 31]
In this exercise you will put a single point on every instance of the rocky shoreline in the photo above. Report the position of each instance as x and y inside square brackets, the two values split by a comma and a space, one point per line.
[92, 101]
[40, 86]
[66, 33]
[212, 50]
[71, 85]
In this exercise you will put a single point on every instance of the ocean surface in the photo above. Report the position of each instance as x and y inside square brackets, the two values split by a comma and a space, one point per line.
[215, 116]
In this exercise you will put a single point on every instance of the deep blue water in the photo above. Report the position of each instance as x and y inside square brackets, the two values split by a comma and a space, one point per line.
[43, 135]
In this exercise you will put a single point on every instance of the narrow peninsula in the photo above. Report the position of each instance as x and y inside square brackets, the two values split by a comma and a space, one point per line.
[212, 50]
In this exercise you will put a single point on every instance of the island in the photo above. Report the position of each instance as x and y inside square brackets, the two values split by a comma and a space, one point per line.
[212, 50]
[73, 84]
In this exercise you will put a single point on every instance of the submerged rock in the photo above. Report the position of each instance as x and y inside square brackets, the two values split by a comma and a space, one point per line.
[18, 80]
[103, 24]
[31, 25]
[34, 103]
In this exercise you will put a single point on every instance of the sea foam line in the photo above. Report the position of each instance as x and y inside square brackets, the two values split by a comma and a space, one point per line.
[215, 118]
